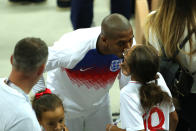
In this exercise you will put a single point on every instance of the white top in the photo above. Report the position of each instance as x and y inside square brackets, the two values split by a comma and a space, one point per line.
[183, 58]
[81, 76]
[16, 113]
[132, 114]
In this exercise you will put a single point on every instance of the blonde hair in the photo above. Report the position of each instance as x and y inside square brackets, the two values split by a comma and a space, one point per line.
[170, 22]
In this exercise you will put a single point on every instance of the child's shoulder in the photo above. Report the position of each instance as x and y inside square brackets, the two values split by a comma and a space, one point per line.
[131, 88]
[162, 84]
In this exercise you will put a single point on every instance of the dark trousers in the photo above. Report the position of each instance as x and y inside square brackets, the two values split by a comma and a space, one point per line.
[82, 11]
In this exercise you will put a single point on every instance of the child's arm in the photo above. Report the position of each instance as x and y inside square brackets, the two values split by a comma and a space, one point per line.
[65, 128]
[111, 127]
[173, 121]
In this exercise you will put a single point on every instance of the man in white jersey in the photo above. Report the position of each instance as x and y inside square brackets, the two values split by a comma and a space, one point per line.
[83, 66]
[28, 62]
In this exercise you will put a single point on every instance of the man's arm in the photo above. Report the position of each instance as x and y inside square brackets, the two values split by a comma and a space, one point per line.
[57, 58]
[173, 121]
[40, 85]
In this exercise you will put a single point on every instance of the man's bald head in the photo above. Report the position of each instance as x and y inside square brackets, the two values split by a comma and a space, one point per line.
[113, 24]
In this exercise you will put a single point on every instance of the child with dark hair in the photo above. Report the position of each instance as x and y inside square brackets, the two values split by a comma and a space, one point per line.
[49, 111]
[145, 102]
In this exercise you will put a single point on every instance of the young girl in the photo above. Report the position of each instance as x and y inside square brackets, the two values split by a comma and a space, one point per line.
[145, 102]
[49, 111]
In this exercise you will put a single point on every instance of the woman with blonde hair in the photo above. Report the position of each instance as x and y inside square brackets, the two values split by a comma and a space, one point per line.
[169, 26]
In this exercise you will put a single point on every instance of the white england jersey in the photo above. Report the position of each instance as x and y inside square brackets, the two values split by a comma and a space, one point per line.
[79, 74]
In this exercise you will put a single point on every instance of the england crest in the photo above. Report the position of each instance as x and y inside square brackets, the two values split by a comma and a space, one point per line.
[115, 65]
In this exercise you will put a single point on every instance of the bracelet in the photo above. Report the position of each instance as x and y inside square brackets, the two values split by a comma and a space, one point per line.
[110, 127]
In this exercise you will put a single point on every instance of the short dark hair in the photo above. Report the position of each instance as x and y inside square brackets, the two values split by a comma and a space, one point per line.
[114, 24]
[46, 102]
[29, 54]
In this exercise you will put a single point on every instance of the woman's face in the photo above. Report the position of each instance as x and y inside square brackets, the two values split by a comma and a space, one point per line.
[53, 120]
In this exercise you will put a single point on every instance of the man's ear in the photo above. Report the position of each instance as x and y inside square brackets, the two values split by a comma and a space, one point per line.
[103, 38]
[41, 69]
[104, 42]
[11, 59]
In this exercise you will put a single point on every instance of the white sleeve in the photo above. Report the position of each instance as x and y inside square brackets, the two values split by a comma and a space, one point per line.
[130, 113]
[60, 54]
[123, 80]
[66, 53]
[58, 58]
[40, 85]
[25, 124]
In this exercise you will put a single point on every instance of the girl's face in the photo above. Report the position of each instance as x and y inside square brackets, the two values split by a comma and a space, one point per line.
[53, 120]
[124, 65]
